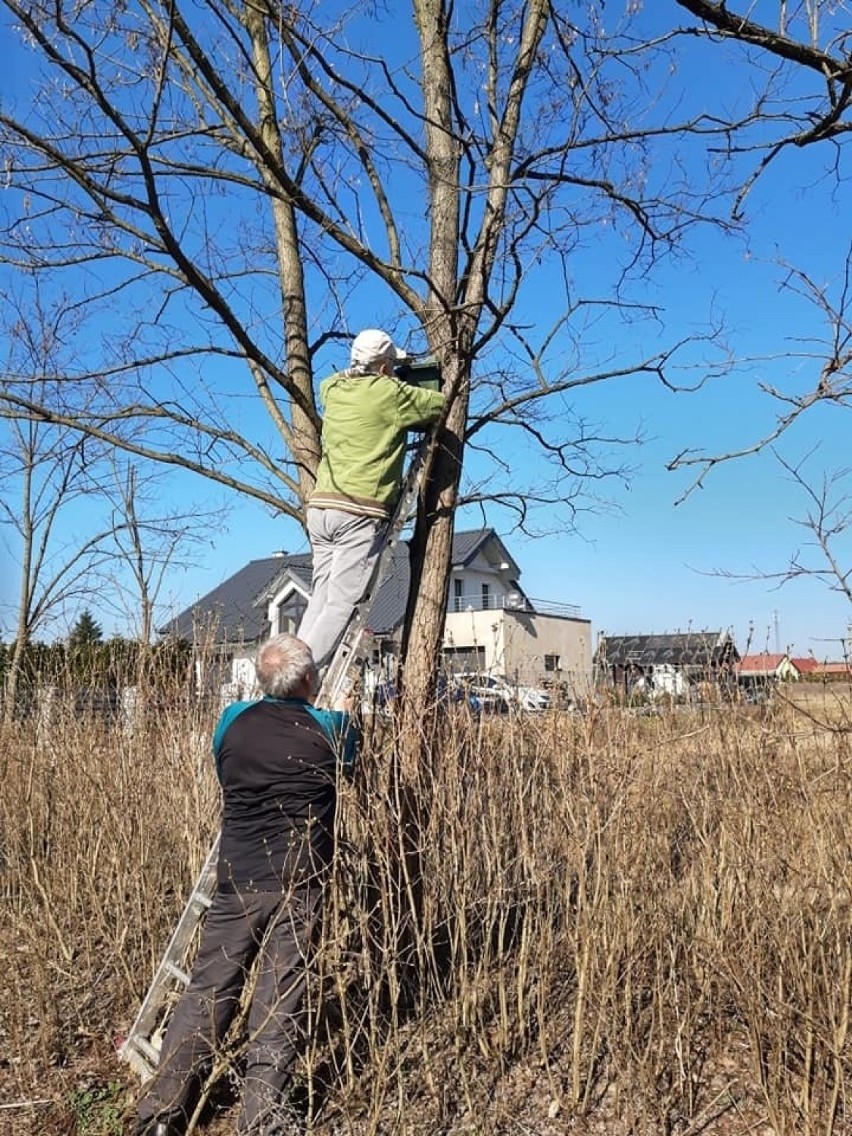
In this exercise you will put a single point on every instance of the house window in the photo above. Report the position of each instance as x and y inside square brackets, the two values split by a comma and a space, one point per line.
[459, 659]
[290, 613]
[552, 663]
[486, 597]
[458, 592]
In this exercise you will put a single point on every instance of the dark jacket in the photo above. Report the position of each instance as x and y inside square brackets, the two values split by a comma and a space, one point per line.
[278, 762]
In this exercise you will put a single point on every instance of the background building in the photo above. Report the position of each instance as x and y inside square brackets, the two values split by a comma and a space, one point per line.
[491, 625]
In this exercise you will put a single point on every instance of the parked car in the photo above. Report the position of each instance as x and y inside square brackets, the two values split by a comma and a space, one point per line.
[532, 698]
[496, 695]
[487, 691]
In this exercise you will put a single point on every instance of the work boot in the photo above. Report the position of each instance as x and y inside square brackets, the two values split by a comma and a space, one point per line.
[155, 1126]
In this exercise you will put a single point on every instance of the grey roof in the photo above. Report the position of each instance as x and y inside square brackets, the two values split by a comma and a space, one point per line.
[467, 544]
[235, 611]
[387, 610]
[691, 648]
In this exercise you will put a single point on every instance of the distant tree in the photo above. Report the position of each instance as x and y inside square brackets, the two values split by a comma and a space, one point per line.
[75, 518]
[86, 657]
[86, 632]
[47, 470]
[150, 538]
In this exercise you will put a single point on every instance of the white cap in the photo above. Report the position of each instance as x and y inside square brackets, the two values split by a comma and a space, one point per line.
[373, 346]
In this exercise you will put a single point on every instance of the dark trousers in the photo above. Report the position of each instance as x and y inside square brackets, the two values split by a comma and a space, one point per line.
[280, 928]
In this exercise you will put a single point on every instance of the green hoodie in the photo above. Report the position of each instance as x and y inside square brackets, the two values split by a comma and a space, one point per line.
[365, 421]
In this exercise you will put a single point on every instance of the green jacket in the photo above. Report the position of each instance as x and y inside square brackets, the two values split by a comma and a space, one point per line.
[365, 420]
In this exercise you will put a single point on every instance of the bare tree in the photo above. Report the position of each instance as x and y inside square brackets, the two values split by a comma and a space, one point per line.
[829, 357]
[222, 179]
[800, 71]
[810, 37]
[826, 518]
[47, 471]
[801, 75]
[151, 538]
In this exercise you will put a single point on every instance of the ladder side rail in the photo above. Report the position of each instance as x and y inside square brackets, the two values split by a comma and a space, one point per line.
[167, 973]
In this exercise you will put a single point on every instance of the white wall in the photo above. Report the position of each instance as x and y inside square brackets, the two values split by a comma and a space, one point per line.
[243, 675]
[468, 629]
[515, 644]
[472, 578]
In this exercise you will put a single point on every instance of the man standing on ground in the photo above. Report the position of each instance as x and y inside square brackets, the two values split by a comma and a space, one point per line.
[367, 413]
[277, 761]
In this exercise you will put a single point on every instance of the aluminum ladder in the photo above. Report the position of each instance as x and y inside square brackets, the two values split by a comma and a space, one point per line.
[141, 1047]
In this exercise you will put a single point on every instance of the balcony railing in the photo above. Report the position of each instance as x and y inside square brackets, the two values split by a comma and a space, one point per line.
[512, 601]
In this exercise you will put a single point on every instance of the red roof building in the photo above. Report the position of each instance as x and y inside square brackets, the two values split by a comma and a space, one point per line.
[834, 670]
[766, 666]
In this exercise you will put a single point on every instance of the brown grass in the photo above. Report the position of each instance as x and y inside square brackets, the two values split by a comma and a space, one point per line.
[601, 924]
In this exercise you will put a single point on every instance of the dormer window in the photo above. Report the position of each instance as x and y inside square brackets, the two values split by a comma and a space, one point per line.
[289, 614]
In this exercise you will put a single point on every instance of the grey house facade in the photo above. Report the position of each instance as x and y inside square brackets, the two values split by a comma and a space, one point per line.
[491, 625]
[668, 663]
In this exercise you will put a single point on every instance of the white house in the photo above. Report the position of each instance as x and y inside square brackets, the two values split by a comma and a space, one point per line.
[491, 625]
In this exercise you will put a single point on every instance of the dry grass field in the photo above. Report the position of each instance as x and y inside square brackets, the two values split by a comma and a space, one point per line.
[611, 923]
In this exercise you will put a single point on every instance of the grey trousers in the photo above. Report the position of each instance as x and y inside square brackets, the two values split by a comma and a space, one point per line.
[345, 549]
[238, 927]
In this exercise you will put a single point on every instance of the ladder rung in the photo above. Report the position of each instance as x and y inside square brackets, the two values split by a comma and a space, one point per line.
[141, 1056]
[176, 972]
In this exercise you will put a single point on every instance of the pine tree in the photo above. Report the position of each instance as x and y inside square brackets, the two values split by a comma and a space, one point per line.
[86, 632]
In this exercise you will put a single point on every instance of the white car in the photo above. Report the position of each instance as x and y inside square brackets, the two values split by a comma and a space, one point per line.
[531, 698]
[495, 694]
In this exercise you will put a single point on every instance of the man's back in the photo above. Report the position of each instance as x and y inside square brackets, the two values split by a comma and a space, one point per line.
[277, 767]
[366, 418]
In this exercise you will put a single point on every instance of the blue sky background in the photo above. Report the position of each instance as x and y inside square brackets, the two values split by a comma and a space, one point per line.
[639, 562]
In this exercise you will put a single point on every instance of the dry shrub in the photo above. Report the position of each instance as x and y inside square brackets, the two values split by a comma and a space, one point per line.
[602, 923]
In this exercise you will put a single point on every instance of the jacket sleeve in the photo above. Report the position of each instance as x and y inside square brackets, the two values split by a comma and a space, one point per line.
[417, 406]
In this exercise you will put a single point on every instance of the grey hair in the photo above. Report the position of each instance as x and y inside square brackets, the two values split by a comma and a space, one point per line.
[358, 370]
[283, 662]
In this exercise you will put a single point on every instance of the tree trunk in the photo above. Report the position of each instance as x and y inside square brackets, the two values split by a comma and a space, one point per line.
[302, 434]
[22, 628]
[430, 561]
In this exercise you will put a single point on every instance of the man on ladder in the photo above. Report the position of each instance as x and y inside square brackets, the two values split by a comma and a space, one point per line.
[276, 760]
[367, 412]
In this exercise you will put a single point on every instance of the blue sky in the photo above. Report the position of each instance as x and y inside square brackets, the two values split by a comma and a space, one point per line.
[638, 561]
